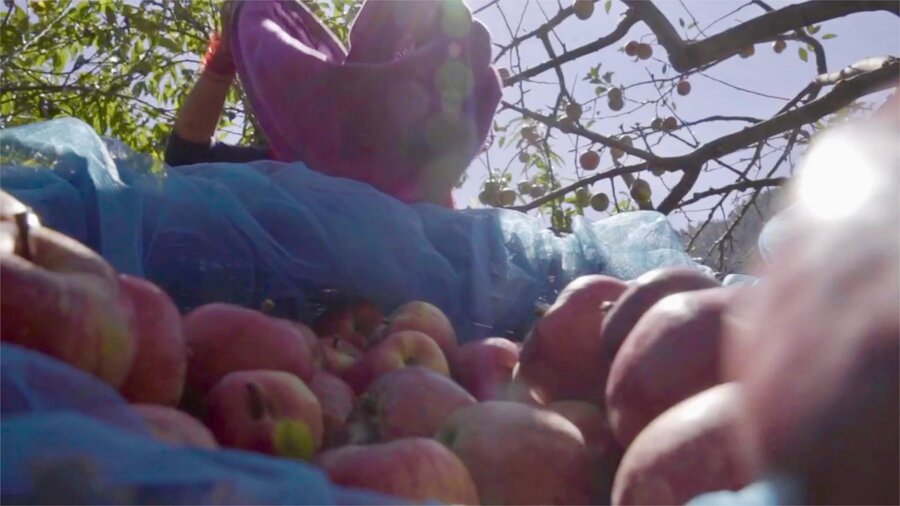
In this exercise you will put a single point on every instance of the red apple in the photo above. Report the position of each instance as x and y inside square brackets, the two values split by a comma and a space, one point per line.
[641, 295]
[520, 454]
[425, 318]
[818, 350]
[560, 356]
[354, 321]
[337, 399]
[265, 411]
[408, 402]
[417, 469]
[591, 421]
[157, 376]
[671, 354]
[63, 300]
[484, 367]
[177, 427]
[336, 355]
[224, 338]
[398, 350]
[692, 448]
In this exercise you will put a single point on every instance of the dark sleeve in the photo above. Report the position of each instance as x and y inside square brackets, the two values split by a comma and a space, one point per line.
[183, 152]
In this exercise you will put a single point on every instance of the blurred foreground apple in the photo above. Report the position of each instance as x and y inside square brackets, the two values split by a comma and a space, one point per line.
[560, 358]
[417, 469]
[425, 318]
[819, 349]
[408, 402]
[337, 400]
[157, 376]
[520, 454]
[62, 299]
[672, 353]
[270, 412]
[690, 449]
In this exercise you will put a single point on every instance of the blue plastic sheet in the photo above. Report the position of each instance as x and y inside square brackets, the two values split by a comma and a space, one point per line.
[245, 233]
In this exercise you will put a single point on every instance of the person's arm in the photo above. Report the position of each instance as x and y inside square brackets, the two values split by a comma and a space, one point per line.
[192, 139]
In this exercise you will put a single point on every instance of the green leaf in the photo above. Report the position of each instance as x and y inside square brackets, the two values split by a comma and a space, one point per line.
[813, 29]
[804, 54]
[607, 6]
[829, 36]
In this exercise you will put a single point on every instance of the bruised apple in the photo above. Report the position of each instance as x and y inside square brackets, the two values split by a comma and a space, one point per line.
[62, 299]
[641, 295]
[157, 376]
[408, 402]
[484, 367]
[177, 427]
[401, 349]
[818, 350]
[519, 454]
[690, 449]
[671, 354]
[223, 338]
[417, 469]
[425, 318]
[266, 411]
[560, 357]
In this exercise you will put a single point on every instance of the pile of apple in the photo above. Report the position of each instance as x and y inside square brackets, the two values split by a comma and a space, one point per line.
[620, 392]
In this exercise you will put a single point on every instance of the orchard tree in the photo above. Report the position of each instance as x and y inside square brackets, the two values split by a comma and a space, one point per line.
[564, 143]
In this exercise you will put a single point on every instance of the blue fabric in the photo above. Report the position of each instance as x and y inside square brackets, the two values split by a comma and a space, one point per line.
[70, 439]
[244, 233]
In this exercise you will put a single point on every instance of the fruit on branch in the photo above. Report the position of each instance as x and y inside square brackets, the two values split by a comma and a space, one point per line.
[538, 190]
[63, 301]
[692, 448]
[670, 354]
[574, 111]
[398, 350]
[640, 296]
[426, 318]
[417, 469]
[523, 157]
[271, 412]
[484, 367]
[507, 197]
[656, 124]
[747, 52]
[657, 171]
[176, 427]
[354, 321]
[589, 160]
[518, 454]
[525, 188]
[683, 87]
[530, 134]
[644, 51]
[615, 99]
[223, 338]
[559, 356]
[599, 202]
[669, 124]
[583, 197]
[615, 94]
[779, 45]
[631, 48]
[408, 402]
[583, 9]
[160, 365]
[640, 191]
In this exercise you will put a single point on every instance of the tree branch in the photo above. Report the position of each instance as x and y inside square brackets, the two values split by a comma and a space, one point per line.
[742, 185]
[686, 56]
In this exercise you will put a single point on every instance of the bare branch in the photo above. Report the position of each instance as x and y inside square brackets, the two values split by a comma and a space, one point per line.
[742, 185]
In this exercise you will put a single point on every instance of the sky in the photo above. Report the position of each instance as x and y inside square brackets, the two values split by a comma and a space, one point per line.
[775, 78]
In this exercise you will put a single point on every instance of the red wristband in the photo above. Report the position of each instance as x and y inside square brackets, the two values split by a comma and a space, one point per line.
[214, 61]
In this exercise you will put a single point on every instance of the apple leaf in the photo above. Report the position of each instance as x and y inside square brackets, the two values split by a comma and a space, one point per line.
[829, 36]
[607, 6]
[804, 54]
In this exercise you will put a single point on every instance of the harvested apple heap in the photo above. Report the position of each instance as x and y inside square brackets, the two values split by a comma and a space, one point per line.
[617, 394]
